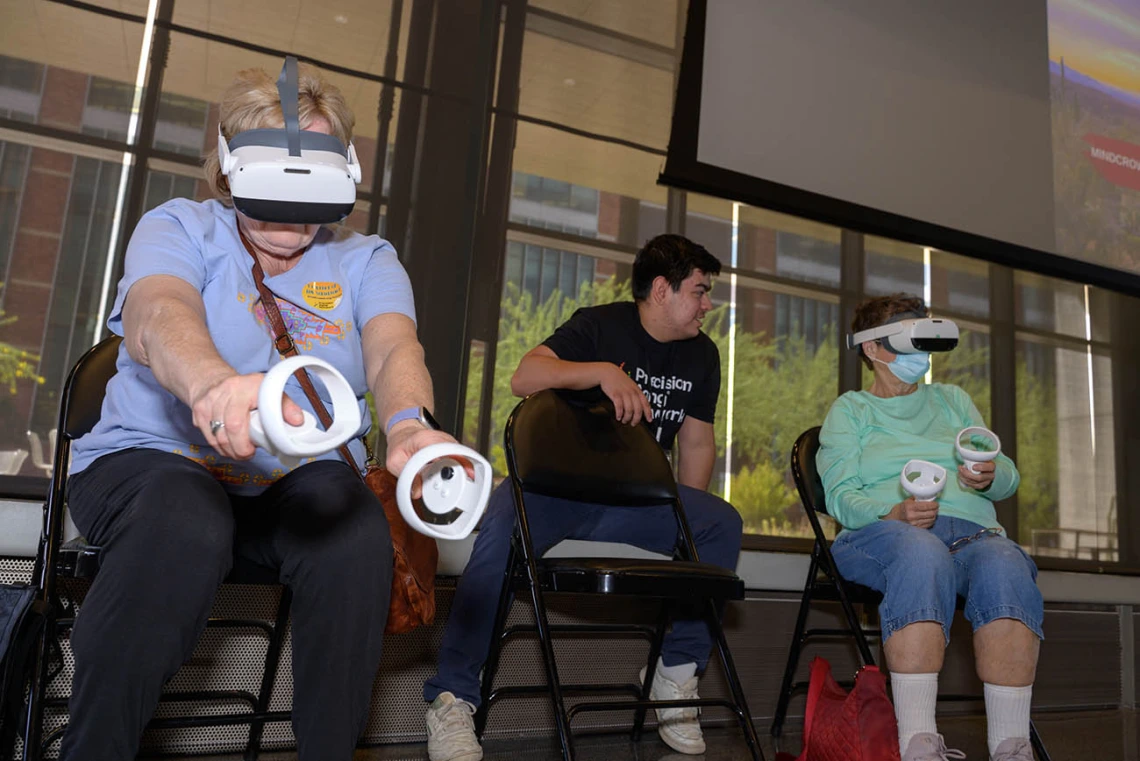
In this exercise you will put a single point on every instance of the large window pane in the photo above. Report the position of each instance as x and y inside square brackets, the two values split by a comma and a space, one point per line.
[893, 267]
[1065, 449]
[1059, 306]
[779, 376]
[650, 20]
[968, 367]
[606, 93]
[768, 243]
[56, 267]
[586, 187]
[351, 35]
[53, 55]
[527, 317]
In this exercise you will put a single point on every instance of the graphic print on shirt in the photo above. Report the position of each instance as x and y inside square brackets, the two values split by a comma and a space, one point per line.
[228, 472]
[304, 326]
[657, 389]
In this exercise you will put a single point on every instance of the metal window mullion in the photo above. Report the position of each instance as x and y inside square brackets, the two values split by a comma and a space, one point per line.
[852, 273]
[1003, 379]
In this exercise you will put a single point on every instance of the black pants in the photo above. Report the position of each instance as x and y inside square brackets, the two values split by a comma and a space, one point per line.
[169, 534]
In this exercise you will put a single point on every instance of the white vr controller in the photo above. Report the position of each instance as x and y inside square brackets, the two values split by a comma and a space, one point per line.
[967, 443]
[290, 443]
[454, 501]
[923, 480]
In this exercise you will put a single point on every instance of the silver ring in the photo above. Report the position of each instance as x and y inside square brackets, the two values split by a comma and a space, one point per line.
[215, 426]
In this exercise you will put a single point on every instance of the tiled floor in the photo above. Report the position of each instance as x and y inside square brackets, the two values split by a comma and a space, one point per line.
[1077, 736]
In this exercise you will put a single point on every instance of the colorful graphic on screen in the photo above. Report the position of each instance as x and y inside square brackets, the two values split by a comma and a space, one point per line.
[1094, 64]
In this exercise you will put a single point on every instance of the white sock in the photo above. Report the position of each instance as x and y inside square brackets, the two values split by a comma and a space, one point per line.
[915, 697]
[678, 674]
[1007, 713]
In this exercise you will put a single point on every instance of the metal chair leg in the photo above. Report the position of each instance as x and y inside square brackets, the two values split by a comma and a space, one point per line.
[794, 651]
[544, 637]
[1038, 745]
[742, 713]
[269, 674]
[650, 669]
[34, 718]
[491, 664]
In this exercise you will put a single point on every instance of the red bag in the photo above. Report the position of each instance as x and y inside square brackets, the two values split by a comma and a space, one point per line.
[841, 726]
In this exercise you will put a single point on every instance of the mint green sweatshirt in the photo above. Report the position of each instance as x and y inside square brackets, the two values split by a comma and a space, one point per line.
[866, 441]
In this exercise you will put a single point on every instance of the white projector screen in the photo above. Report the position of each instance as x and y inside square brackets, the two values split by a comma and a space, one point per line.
[1008, 130]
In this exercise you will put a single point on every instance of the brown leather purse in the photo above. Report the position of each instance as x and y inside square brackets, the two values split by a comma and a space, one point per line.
[415, 556]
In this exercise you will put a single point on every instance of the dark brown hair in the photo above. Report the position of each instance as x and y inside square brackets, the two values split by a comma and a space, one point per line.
[877, 311]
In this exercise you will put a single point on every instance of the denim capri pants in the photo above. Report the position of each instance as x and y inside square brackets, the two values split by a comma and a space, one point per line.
[921, 579]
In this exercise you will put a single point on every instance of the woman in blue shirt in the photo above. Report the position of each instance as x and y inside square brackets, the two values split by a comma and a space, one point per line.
[923, 554]
[169, 484]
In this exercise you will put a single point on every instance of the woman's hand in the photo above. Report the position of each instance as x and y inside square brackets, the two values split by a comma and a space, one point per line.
[408, 437]
[916, 513]
[979, 481]
[630, 404]
[229, 400]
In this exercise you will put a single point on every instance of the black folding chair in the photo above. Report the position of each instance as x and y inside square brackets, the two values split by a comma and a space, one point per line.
[81, 405]
[825, 583]
[584, 454]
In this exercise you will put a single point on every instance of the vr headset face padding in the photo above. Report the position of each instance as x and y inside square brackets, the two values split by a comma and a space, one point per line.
[290, 175]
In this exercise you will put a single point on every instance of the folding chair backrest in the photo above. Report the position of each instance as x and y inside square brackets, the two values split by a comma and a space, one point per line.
[583, 453]
[85, 388]
[804, 471]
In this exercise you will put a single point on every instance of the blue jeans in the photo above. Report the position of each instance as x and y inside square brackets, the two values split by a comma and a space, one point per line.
[921, 579]
[717, 530]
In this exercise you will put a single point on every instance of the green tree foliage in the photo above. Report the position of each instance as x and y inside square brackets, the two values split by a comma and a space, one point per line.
[522, 326]
[16, 365]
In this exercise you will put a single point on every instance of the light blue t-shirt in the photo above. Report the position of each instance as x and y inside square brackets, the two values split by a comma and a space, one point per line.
[342, 281]
[866, 440]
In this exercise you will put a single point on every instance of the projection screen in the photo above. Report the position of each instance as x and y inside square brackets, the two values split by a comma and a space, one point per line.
[1007, 130]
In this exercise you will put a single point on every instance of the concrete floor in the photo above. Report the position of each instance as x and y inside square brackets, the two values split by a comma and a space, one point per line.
[1076, 736]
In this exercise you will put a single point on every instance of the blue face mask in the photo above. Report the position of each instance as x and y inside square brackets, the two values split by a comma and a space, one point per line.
[909, 368]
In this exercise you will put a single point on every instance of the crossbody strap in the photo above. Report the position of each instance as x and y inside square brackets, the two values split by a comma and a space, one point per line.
[285, 346]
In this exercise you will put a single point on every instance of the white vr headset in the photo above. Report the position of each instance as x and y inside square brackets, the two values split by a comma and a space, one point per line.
[290, 175]
[909, 335]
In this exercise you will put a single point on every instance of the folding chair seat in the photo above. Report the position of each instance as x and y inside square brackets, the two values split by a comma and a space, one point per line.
[81, 405]
[582, 453]
[825, 583]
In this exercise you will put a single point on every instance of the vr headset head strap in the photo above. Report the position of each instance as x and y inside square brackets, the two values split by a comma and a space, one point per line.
[855, 341]
[288, 92]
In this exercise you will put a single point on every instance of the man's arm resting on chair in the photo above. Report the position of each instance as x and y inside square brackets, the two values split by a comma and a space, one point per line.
[696, 453]
[541, 369]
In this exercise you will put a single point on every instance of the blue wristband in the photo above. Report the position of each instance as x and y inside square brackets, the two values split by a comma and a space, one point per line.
[410, 413]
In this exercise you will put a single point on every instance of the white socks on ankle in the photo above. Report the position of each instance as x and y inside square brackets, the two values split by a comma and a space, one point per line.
[915, 697]
[1007, 713]
[678, 674]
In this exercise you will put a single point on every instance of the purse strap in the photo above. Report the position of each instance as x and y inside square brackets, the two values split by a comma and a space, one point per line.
[283, 342]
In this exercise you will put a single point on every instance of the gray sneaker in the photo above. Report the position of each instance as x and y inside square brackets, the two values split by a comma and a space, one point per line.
[928, 746]
[1014, 749]
[451, 730]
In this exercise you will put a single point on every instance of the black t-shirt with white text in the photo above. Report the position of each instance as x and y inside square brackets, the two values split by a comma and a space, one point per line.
[679, 378]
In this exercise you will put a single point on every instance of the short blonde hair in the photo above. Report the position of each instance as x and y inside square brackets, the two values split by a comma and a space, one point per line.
[251, 102]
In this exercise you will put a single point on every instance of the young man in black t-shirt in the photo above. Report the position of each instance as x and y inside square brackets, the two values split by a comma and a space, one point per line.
[651, 358]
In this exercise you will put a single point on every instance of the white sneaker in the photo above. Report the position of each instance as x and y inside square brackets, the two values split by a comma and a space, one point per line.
[678, 727]
[451, 730]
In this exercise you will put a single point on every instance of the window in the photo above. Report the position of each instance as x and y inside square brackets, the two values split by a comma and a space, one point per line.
[776, 382]
[526, 320]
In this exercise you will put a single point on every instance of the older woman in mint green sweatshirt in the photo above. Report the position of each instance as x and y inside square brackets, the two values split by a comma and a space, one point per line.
[923, 555]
